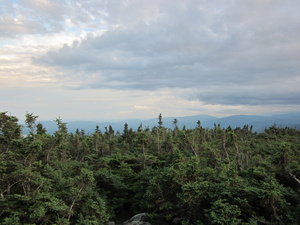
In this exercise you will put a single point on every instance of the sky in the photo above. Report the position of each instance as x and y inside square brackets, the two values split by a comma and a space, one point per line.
[120, 59]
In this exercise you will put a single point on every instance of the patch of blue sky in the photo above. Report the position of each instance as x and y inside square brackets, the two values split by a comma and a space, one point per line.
[73, 29]
[7, 42]
[89, 29]
[3, 43]
[96, 20]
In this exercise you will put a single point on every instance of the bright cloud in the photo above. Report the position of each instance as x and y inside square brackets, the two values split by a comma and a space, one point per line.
[142, 107]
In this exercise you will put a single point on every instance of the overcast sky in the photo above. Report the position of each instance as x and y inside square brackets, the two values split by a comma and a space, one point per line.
[115, 59]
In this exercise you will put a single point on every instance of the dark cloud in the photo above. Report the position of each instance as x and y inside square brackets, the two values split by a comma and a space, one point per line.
[238, 52]
[268, 96]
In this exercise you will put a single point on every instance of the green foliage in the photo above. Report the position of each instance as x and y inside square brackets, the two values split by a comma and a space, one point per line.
[223, 212]
[10, 132]
[182, 176]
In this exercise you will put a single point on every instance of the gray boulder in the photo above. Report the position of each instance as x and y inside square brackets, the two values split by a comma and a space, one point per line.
[139, 219]
[110, 223]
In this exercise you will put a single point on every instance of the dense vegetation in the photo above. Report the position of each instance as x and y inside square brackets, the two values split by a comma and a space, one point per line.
[183, 176]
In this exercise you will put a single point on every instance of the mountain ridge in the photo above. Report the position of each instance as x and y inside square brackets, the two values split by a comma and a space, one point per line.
[259, 122]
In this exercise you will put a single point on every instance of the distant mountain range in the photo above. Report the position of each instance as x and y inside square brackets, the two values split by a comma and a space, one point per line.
[259, 123]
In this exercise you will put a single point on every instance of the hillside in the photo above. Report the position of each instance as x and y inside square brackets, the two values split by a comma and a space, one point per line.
[176, 176]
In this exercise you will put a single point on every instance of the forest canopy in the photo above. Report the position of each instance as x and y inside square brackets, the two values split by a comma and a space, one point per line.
[177, 176]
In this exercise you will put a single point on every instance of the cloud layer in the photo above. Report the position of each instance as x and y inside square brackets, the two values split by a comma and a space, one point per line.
[208, 53]
[238, 52]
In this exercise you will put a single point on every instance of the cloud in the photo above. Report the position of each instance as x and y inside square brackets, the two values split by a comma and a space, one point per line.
[141, 107]
[18, 25]
[29, 17]
[229, 53]
[276, 93]
[46, 16]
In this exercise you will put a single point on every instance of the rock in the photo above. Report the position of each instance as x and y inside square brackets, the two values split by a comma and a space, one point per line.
[139, 219]
[110, 223]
